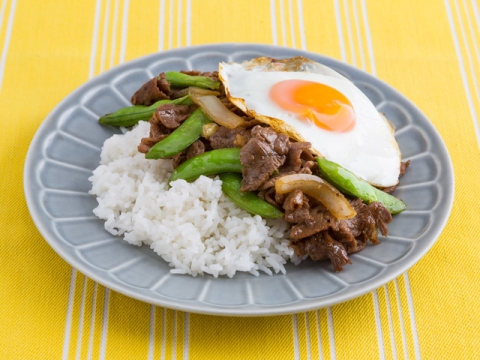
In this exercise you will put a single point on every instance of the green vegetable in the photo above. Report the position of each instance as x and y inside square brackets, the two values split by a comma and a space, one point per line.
[350, 184]
[209, 163]
[182, 137]
[393, 204]
[345, 181]
[180, 80]
[247, 200]
[131, 115]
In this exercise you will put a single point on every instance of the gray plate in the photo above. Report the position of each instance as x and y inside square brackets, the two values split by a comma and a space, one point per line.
[66, 148]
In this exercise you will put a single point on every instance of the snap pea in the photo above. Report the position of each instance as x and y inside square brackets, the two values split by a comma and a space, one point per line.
[180, 80]
[248, 200]
[393, 204]
[182, 137]
[131, 115]
[344, 180]
[350, 184]
[209, 163]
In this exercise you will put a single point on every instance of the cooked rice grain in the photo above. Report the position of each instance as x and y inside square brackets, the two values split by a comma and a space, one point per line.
[192, 226]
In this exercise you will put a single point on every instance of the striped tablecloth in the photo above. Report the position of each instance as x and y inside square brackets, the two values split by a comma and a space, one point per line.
[428, 50]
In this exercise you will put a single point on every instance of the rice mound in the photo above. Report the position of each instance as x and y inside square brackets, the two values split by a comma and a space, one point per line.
[192, 226]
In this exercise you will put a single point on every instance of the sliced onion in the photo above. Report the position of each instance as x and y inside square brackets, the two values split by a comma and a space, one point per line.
[209, 129]
[193, 90]
[217, 110]
[320, 190]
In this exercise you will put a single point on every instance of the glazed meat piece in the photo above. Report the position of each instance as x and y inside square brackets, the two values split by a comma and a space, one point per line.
[261, 156]
[152, 91]
[229, 138]
[166, 118]
[312, 232]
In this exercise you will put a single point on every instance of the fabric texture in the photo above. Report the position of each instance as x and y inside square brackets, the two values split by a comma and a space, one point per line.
[428, 50]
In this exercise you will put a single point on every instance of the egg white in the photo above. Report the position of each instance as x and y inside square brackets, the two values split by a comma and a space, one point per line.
[369, 150]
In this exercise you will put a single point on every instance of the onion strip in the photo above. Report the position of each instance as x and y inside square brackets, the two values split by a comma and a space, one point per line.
[320, 190]
[192, 90]
[217, 110]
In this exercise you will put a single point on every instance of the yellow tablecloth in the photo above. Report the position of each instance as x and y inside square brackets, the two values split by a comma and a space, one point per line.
[428, 50]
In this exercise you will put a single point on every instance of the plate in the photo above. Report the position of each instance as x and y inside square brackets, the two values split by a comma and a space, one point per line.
[66, 149]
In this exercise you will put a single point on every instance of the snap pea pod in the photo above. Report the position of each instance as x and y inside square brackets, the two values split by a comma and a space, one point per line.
[131, 115]
[209, 163]
[180, 80]
[182, 137]
[350, 184]
[393, 204]
[345, 181]
[248, 200]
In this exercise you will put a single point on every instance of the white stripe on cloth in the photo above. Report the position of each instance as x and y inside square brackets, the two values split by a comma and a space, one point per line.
[164, 336]
[68, 322]
[400, 316]
[349, 33]
[179, 24]
[472, 30]
[390, 323]
[92, 321]
[282, 24]
[161, 24]
[378, 323]
[93, 52]
[369, 38]
[319, 335]
[303, 41]
[114, 33]
[331, 333]
[82, 316]
[103, 343]
[413, 324]
[292, 27]
[463, 73]
[467, 50]
[476, 14]
[307, 329]
[186, 335]
[273, 19]
[359, 34]
[151, 337]
[340, 31]
[123, 43]
[296, 350]
[8, 35]
[105, 35]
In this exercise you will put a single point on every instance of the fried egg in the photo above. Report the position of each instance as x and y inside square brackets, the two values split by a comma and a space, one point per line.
[311, 102]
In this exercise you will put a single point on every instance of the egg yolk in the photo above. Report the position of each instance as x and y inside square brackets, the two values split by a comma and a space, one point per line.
[320, 104]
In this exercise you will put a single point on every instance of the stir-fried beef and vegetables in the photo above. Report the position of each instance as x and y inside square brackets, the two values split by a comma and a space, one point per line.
[331, 211]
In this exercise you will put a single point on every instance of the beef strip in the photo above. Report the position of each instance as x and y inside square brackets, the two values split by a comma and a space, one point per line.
[197, 148]
[318, 219]
[166, 118]
[310, 231]
[171, 116]
[152, 91]
[261, 156]
[293, 162]
[322, 246]
[229, 138]
[296, 206]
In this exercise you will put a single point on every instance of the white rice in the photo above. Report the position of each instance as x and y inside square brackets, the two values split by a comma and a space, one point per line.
[192, 226]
